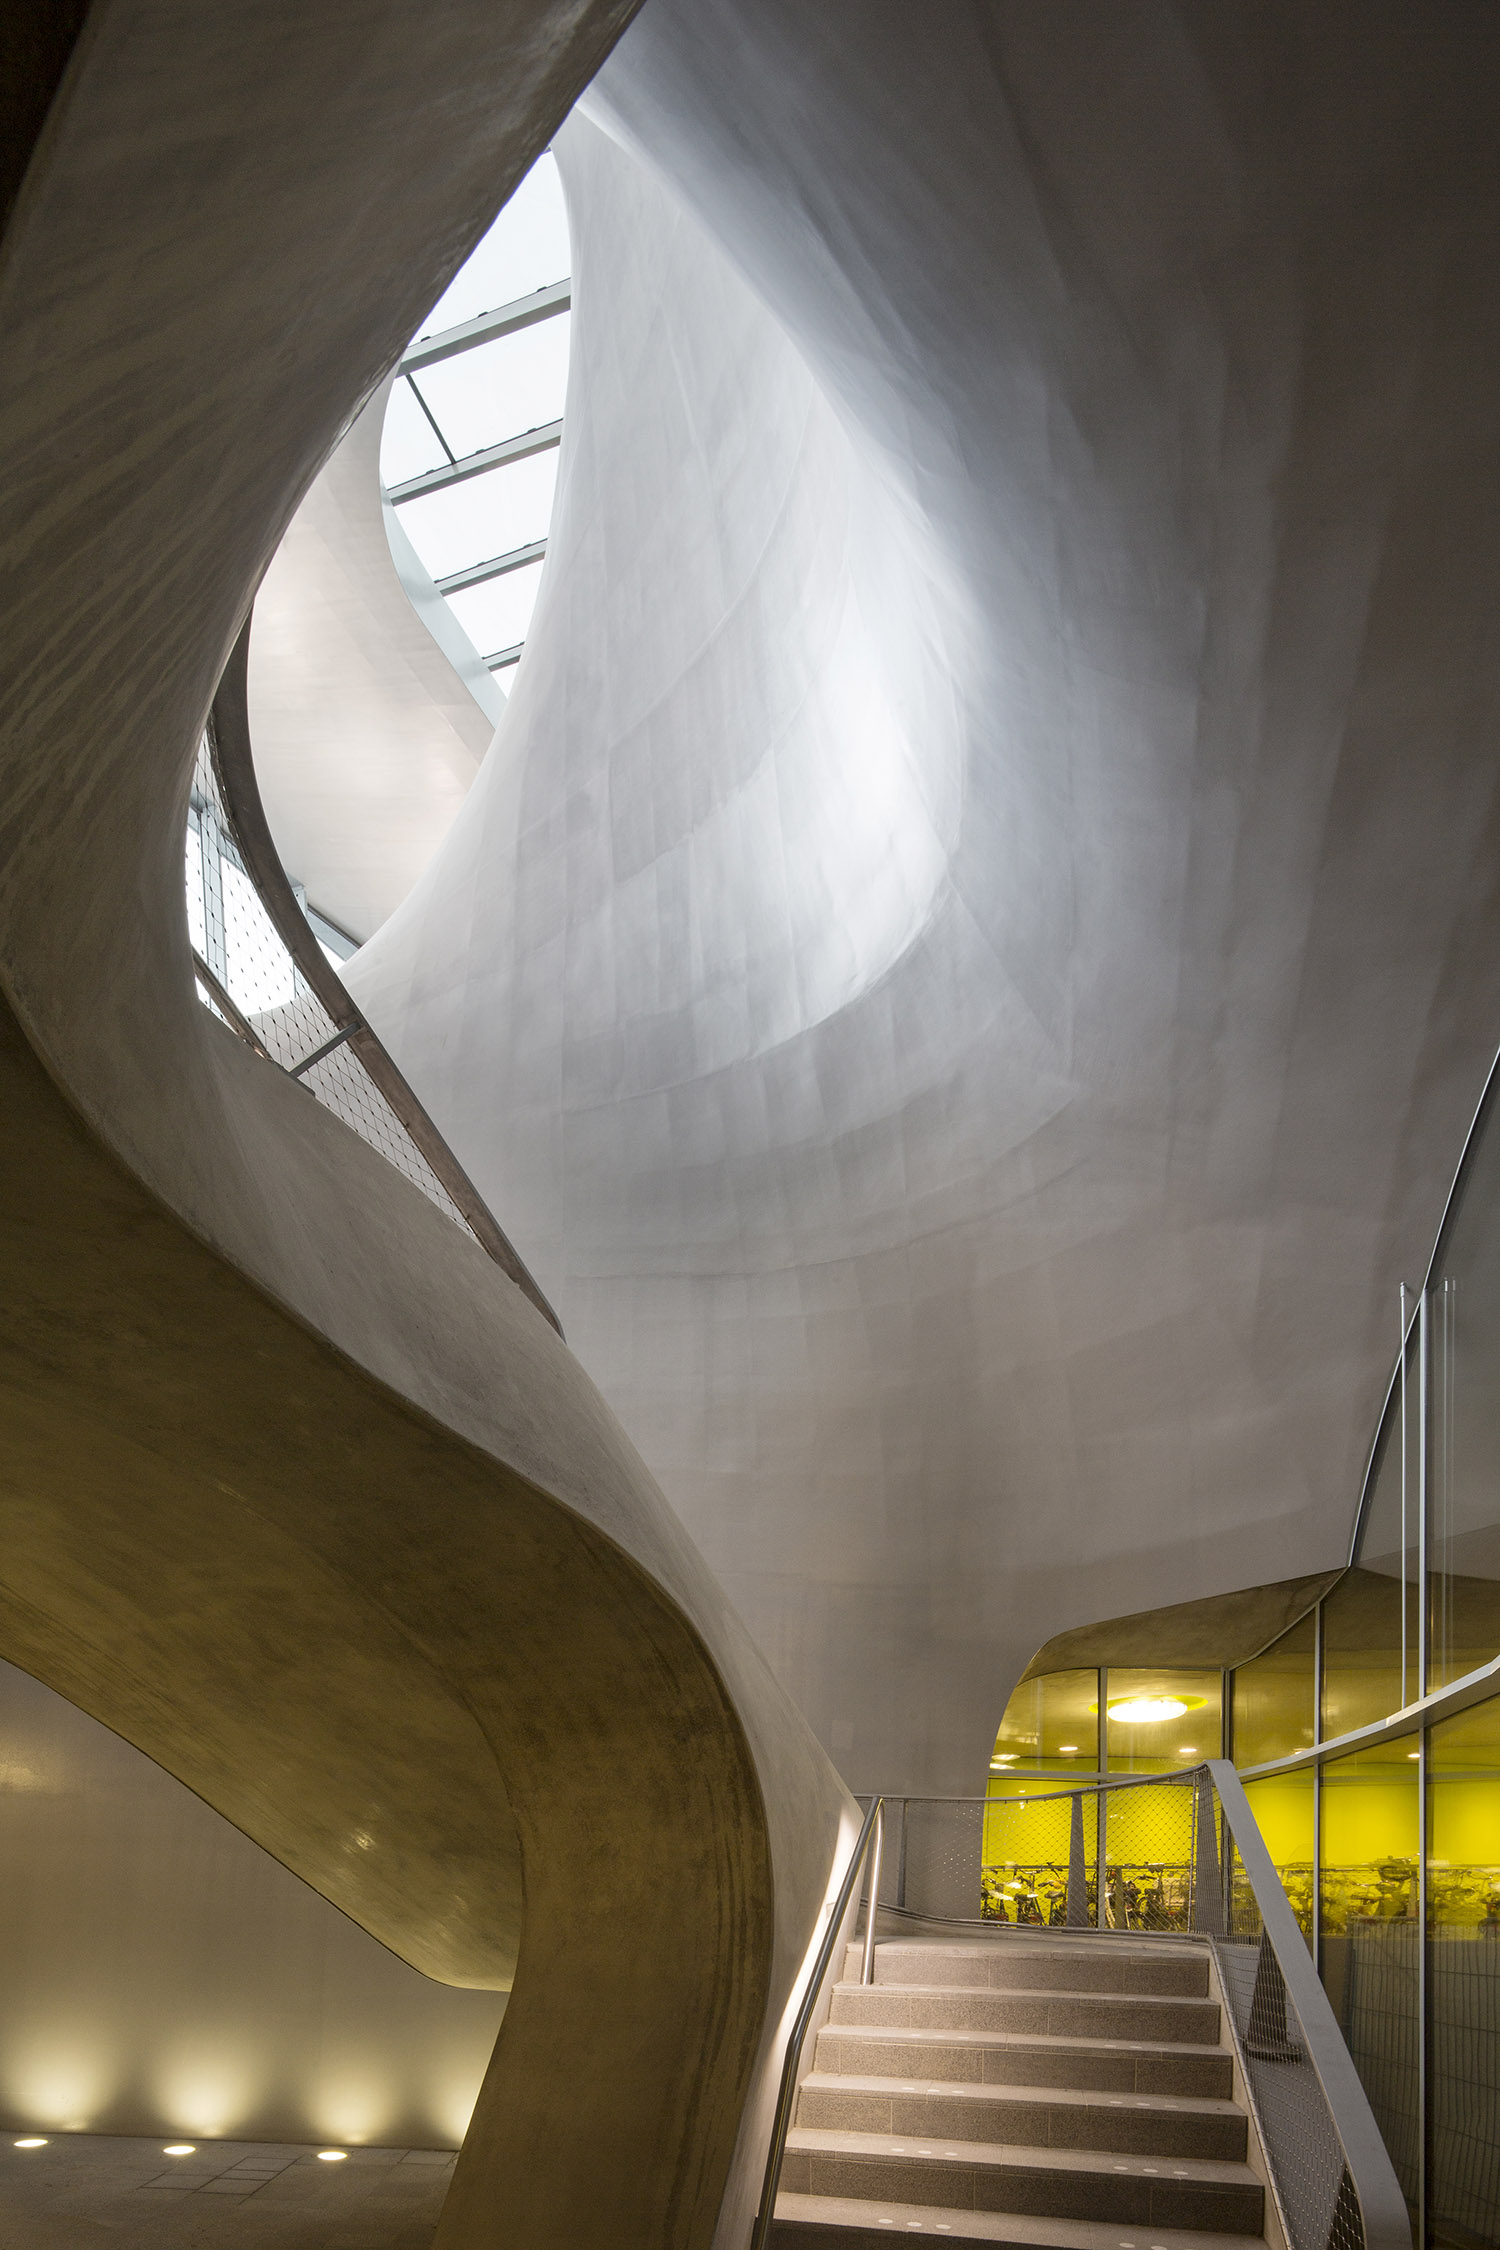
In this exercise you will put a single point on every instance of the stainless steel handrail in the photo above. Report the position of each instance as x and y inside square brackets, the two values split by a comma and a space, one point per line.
[871, 1834]
[1371, 2174]
[236, 768]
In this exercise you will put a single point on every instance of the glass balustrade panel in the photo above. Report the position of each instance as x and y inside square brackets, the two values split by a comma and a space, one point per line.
[1283, 1806]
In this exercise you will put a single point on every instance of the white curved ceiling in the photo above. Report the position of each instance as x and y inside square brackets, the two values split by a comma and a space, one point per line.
[971, 1099]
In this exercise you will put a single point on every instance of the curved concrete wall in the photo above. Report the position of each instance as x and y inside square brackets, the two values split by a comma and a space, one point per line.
[300, 1495]
[368, 741]
[1035, 1259]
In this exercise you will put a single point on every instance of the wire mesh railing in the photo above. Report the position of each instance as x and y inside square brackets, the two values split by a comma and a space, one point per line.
[1175, 1856]
[261, 971]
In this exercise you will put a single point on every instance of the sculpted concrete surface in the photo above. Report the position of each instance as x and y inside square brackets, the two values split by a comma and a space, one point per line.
[972, 1101]
[300, 1495]
[368, 741]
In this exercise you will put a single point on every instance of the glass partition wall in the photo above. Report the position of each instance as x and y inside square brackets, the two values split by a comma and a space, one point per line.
[1368, 1735]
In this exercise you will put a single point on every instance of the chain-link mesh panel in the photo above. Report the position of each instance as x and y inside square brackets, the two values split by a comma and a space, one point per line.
[341, 1082]
[1312, 2184]
[235, 938]
[291, 1033]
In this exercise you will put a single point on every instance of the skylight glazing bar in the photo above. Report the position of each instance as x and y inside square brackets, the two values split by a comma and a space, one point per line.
[540, 440]
[499, 566]
[432, 422]
[505, 320]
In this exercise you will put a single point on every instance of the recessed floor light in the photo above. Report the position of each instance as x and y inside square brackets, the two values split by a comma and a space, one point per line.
[332, 2155]
[32, 2140]
[181, 2148]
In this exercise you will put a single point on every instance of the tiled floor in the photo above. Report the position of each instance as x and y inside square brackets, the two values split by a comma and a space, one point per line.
[86, 2189]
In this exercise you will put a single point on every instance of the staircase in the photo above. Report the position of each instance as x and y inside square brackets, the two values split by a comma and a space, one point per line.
[1035, 2090]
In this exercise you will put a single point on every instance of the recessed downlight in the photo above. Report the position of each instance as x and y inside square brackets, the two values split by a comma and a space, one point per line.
[32, 2140]
[181, 2148]
[332, 2155]
[1067, 1749]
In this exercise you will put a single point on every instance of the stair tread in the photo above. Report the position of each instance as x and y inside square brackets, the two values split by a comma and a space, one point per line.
[1056, 2042]
[1177, 2105]
[1092, 1948]
[1052, 1995]
[1006, 2155]
[996, 2226]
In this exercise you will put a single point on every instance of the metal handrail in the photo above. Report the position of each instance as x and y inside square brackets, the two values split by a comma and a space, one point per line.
[1371, 2174]
[230, 725]
[1382, 2207]
[872, 1833]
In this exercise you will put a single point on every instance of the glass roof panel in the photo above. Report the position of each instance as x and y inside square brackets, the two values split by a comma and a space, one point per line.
[408, 442]
[497, 615]
[486, 516]
[525, 249]
[498, 390]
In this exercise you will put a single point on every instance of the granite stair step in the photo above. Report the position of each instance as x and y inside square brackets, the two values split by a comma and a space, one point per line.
[1041, 1964]
[825, 2222]
[1066, 2014]
[1056, 2117]
[1133, 2191]
[1006, 2058]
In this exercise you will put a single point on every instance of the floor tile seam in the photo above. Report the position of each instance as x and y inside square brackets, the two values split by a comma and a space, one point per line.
[1011, 2156]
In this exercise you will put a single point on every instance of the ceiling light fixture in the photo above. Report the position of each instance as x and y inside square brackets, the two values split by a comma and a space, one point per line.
[1147, 1710]
[181, 2148]
[332, 2155]
[32, 2140]
[1067, 1749]
[1187, 1749]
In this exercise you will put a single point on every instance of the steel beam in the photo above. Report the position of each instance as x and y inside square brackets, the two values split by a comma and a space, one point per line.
[540, 440]
[521, 312]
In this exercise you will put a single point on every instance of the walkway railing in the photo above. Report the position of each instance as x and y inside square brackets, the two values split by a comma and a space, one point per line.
[292, 1007]
[868, 1852]
[1173, 1856]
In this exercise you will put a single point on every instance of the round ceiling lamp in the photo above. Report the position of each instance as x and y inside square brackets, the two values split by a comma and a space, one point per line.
[1152, 1710]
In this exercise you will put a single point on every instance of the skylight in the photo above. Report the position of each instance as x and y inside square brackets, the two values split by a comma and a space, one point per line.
[468, 453]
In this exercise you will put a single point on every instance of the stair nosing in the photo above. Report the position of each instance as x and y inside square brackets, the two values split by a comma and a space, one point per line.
[1010, 2156]
[1035, 1992]
[1039, 2233]
[1046, 2041]
[1080, 2097]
